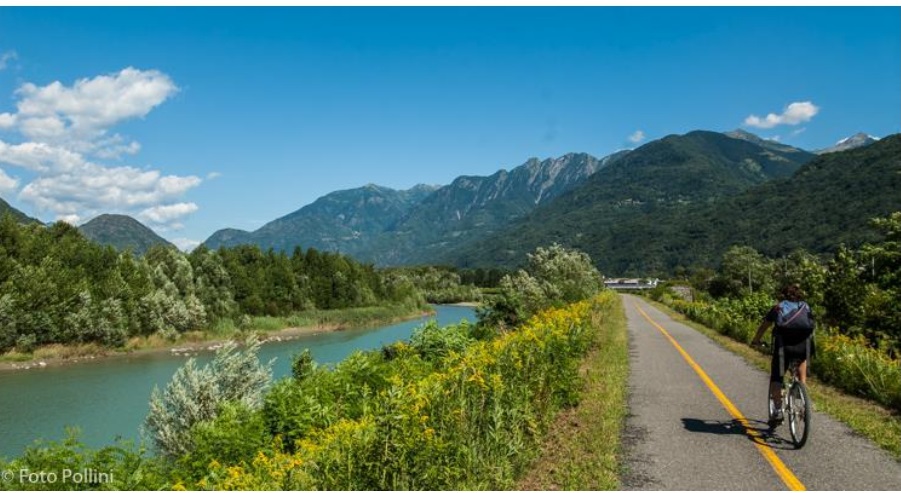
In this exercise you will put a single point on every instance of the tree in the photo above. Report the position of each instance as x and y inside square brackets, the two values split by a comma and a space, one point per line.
[197, 395]
[744, 270]
[555, 276]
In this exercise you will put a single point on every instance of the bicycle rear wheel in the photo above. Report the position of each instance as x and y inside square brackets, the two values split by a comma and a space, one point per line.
[798, 410]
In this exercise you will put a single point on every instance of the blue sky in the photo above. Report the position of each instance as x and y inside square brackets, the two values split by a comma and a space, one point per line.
[197, 119]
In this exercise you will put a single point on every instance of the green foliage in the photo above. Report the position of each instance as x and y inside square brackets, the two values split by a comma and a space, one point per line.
[235, 435]
[555, 276]
[54, 465]
[302, 365]
[444, 412]
[197, 395]
[58, 287]
[744, 271]
[440, 284]
[434, 342]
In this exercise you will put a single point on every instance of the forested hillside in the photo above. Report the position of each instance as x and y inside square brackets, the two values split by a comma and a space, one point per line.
[345, 221]
[122, 233]
[671, 174]
[827, 203]
[18, 215]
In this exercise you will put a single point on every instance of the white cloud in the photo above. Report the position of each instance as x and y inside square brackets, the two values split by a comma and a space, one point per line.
[213, 175]
[72, 219]
[6, 57]
[7, 121]
[80, 116]
[40, 157]
[794, 113]
[798, 131]
[185, 244]
[637, 137]
[64, 128]
[8, 184]
[168, 213]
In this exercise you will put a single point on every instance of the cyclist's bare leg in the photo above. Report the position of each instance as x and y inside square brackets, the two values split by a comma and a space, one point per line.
[802, 369]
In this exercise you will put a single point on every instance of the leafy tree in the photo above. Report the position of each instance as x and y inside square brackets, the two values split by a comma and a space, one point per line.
[744, 270]
[555, 276]
[197, 395]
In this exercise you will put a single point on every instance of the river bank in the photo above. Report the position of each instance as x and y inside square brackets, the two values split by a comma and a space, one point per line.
[268, 329]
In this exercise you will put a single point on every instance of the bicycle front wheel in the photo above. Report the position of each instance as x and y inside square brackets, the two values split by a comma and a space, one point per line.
[798, 413]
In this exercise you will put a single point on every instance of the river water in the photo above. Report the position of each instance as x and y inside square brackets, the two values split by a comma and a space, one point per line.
[109, 398]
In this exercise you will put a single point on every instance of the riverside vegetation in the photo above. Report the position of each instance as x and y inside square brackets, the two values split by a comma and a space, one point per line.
[62, 294]
[463, 407]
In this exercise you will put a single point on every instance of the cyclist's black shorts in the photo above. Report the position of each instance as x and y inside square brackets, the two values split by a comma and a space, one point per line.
[792, 352]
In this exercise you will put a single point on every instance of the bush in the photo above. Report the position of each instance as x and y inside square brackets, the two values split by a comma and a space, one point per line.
[118, 467]
[196, 395]
[555, 276]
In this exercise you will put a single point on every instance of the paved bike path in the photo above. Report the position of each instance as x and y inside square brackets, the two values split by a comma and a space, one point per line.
[679, 435]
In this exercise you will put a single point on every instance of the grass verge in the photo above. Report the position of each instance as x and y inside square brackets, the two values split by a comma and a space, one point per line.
[582, 447]
[878, 423]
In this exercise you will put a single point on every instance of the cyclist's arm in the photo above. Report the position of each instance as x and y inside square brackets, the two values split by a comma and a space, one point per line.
[764, 326]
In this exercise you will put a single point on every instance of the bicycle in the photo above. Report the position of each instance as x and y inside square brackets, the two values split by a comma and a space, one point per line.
[795, 404]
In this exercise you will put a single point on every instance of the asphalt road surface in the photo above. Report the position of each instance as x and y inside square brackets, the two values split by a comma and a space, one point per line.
[686, 431]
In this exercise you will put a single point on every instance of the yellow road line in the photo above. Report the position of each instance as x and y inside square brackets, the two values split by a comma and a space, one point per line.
[784, 473]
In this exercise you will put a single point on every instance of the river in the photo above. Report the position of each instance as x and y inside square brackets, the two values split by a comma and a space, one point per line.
[108, 398]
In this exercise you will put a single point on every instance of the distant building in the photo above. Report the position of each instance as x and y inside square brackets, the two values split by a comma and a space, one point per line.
[623, 283]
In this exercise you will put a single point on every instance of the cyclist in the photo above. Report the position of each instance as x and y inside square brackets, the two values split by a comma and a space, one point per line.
[789, 343]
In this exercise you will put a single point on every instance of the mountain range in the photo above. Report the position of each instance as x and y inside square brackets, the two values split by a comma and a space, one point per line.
[633, 226]
[676, 201]
[859, 139]
[389, 227]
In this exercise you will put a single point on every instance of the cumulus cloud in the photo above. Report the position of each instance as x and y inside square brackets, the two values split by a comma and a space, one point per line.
[167, 213]
[637, 137]
[8, 184]
[6, 57]
[793, 114]
[65, 131]
[80, 116]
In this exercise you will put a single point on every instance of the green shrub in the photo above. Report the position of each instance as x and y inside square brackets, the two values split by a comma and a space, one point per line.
[52, 465]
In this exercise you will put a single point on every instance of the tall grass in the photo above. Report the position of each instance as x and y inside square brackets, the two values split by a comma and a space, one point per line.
[470, 419]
